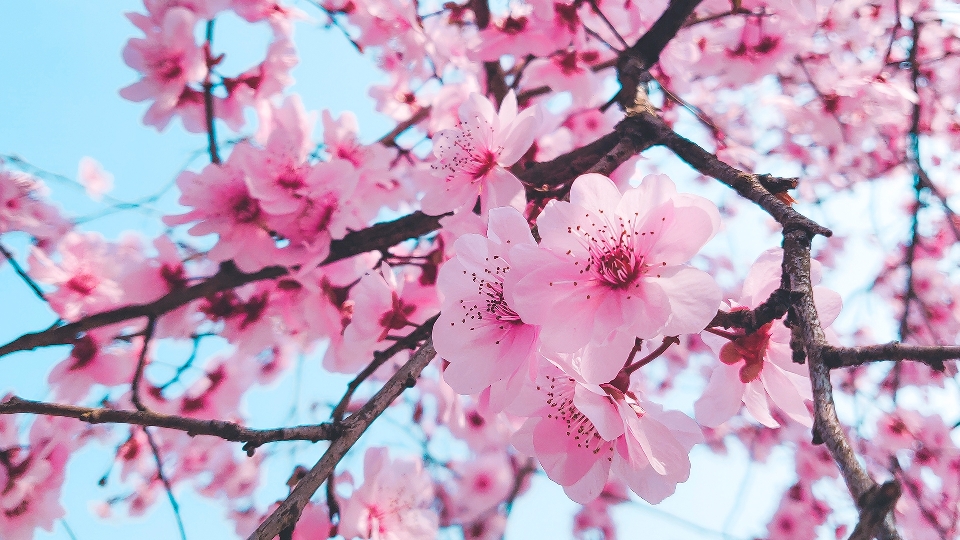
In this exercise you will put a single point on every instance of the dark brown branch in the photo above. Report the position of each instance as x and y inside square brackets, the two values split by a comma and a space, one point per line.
[353, 427]
[141, 364]
[750, 320]
[838, 357]
[748, 185]
[633, 63]
[227, 431]
[376, 237]
[410, 341]
[809, 332]
[874, 506]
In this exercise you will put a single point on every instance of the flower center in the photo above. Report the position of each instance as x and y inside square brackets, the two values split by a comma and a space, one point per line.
[579, 427]
[496, 305]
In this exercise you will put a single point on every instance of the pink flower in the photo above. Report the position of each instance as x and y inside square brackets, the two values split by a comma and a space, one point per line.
[382, 306]
[222, 204]
[478, 332]
[22, 209]
[94, 179]
[759, 365]
[168, 59]
[471, 158]
[581, 433]
[393, 503]
[611, 265]
[86, 275]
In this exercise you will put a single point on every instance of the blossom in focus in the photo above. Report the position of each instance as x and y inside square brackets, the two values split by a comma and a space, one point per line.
[393, 503]
[478, 332]
[612, 265]
[760, 365]
[472, 157]
[581, 433]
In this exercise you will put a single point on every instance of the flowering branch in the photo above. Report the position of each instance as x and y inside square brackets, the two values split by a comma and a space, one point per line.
[826, 426]
[227, 431]
[375, 237]
[409, 341]
[353, 427]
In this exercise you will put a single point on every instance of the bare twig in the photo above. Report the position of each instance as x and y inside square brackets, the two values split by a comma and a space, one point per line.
[166, 483]
[22, 273]
[208, 96]
[227, 431]
[141, 364]
[837, 357]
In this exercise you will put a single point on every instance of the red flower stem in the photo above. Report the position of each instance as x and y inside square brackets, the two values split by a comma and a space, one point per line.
[667, 342]
[723, 333]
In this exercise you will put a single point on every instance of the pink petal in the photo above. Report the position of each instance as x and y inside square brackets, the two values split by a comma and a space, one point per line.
[591, 485]
[690, 228]
[601, 362]
[518, 136]
[755, 398]
[784, 394]
[502, 188]
[828, 305]
[659, 446]
[596, 193]
[721, 398]
[601, 410]
[508, 226]
[694, 299]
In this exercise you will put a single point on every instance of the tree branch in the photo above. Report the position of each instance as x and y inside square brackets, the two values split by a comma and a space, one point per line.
[227, 431]
[375, 237]
[353, 427]
[409, 341]
[826, 426]
[933, 356]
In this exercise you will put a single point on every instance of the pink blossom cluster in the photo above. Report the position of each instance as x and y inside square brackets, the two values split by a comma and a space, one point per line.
[178, 74]
[549, 330]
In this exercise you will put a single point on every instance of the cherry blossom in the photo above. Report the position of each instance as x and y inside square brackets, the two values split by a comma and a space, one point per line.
[767, 368]
[487, 344]
[472, 158]
[393, 501]
[581, 433]
[612, 263]
[169, 59]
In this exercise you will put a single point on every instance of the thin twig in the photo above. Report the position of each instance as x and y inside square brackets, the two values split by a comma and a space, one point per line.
[166, 483]
[227, 431]
[409, 341]
[22, 273]
[141, 364]
[837, 357]
[208, 96]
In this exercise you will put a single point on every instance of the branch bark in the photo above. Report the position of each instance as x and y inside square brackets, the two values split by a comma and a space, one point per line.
[227, 431]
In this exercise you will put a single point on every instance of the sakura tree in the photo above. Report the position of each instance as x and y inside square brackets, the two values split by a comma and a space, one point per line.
[601, 234]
